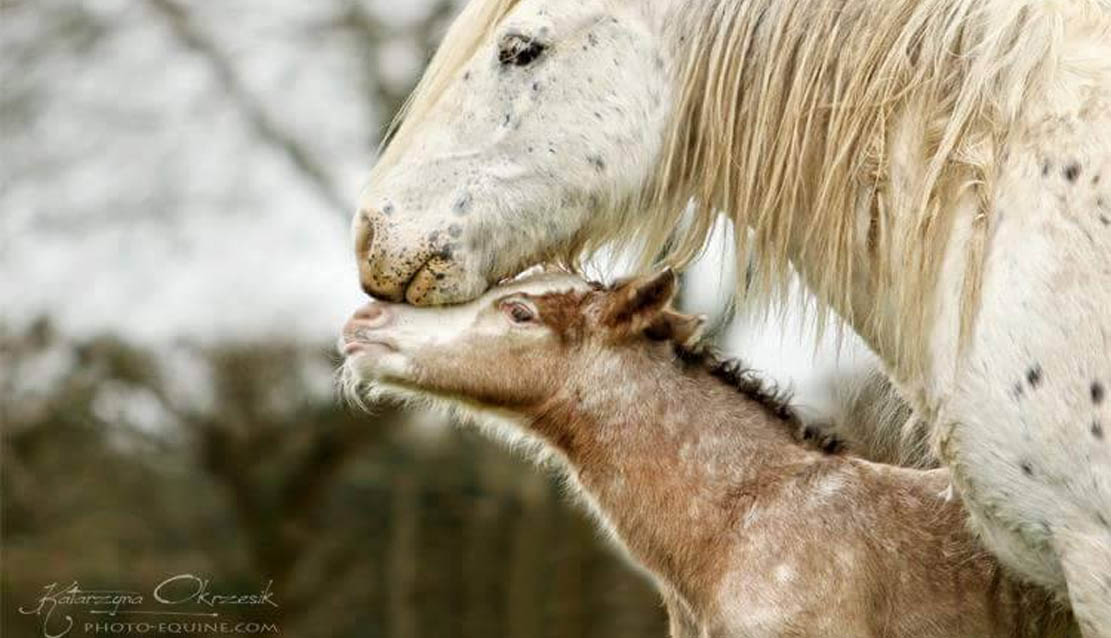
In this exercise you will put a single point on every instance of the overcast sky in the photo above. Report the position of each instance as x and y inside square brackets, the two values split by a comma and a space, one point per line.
[138, 193]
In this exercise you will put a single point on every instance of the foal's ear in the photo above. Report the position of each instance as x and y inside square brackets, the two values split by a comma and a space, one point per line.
[637, 302]
[685, 330]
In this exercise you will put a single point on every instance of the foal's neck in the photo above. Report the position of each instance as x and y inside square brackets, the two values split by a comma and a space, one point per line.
[671, 456]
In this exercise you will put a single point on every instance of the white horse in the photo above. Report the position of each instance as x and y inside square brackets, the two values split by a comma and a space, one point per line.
[938, 171]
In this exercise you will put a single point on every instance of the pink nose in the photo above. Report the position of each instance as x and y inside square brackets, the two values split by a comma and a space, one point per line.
[370, 316]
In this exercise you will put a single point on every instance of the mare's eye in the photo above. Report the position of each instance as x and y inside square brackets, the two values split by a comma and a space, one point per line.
[518, 312]
[519, 50]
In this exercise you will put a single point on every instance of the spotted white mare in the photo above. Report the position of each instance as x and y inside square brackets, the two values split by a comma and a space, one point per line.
[542, 125]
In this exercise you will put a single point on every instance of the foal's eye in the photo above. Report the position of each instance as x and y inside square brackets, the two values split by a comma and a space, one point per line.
[519, 50]
[518, 312]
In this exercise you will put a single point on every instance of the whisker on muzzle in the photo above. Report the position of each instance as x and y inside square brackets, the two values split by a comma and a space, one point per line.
[353, 391]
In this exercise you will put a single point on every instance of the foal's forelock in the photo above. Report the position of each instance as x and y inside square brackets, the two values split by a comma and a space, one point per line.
[782, 112]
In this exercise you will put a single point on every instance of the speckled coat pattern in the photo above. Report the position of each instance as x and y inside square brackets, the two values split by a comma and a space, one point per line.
[1022, 420]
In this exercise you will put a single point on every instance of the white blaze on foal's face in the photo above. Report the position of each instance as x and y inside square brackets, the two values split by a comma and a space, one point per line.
[516, 153]
[497, 350]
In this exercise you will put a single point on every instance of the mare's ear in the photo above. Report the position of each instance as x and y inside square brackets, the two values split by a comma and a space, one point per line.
[637, 303]
[685, 330]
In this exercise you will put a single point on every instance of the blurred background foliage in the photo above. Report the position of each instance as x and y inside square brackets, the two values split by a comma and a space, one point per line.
[175, 185]
[368, 526]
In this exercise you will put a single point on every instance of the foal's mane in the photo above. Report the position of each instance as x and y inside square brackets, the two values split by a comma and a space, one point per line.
[783, 112]
[745, 380]
[776, 401]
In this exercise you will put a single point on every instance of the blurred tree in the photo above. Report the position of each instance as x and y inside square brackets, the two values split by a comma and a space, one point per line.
[175, 183]
[115, 475]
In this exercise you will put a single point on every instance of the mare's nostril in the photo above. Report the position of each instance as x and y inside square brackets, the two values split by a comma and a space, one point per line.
[364, 244]
[364, 233]
[398, 261]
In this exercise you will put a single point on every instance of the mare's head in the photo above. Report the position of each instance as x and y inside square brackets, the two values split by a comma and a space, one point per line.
[516, 346]
[535, 124]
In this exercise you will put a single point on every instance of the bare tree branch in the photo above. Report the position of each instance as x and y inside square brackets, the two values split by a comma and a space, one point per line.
[369, 31]
[263, 124]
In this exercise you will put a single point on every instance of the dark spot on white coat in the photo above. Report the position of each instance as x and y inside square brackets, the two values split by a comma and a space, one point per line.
[1034, 376]
[1098, 392]
[462, 205]
[1027, 469]
[1072, 171]
[447, 252]
[1097, 430]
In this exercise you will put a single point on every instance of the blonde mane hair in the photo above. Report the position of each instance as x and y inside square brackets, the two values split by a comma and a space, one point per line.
[784, 115]
[467, 32]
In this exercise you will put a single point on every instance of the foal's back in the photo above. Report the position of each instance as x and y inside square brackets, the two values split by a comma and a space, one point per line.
[846, 548]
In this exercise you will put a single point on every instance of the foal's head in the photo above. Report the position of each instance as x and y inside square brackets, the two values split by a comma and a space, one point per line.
[518, 344]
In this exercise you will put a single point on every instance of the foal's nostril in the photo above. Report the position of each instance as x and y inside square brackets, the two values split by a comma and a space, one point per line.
[371, 316]
[370, 312]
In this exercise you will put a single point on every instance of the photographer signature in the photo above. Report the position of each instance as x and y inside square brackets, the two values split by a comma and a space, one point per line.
[181, 592]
